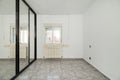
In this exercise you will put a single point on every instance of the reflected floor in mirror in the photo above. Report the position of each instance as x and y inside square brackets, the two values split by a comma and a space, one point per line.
[7, 69]
[23, 63]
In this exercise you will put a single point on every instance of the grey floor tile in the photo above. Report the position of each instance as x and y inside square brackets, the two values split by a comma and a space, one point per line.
[57, 69]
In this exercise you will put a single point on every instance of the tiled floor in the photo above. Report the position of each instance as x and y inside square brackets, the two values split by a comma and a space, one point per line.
[54, 69]
[7, 68]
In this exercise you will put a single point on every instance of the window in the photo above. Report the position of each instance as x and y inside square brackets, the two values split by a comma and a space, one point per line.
[24, 36]
[53, 35]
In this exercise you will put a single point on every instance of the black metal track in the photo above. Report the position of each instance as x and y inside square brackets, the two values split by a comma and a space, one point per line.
[35, 37]
[17, 37]
[29, 6]
[28, 35]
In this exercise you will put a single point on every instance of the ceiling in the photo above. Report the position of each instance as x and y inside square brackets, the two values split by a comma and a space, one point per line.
[48, 7]
[55, 7]
[7, 7]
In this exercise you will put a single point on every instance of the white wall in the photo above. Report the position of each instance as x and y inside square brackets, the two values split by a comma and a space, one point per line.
[72, 34]
[102, 31]
[5, 22]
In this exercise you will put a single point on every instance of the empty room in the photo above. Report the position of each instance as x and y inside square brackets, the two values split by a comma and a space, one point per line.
[60, 39]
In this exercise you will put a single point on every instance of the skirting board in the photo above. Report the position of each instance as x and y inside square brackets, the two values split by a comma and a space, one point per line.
[61, 58]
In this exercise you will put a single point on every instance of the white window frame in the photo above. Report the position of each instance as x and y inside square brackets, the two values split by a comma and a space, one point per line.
[53, 26]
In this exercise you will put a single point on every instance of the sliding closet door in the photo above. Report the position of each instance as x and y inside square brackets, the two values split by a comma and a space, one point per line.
[32, 36]
[7, 39]
[24, 36]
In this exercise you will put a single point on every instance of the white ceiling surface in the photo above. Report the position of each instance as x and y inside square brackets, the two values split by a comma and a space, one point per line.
[48, 7]
[54, 7]
[7, 7]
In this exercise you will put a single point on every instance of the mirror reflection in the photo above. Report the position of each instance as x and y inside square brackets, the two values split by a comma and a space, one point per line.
[32, 33]
[23, 38]
[7, 39]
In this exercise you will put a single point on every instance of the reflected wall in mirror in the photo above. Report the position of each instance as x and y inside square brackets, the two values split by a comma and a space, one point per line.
[24, 37]
[7, 39]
